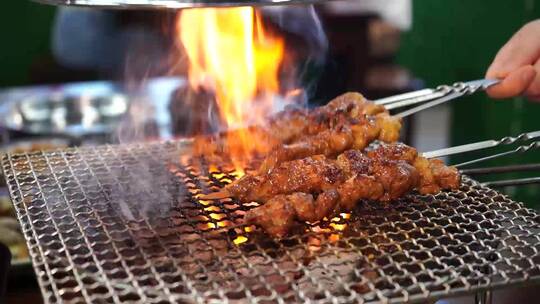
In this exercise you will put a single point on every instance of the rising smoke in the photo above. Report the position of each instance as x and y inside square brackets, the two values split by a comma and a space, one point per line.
[196, 112]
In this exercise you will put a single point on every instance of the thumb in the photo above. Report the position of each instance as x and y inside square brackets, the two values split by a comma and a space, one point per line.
[514, 84]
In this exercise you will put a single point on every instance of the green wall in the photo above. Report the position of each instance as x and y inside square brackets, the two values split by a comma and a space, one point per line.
[457, 40]
[25, 30]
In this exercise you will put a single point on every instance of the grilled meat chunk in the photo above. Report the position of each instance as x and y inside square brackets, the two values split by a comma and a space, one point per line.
[396, 177]
[325, 143]
[357, 188]
[352, 103]
[278, 215]
[311, 174]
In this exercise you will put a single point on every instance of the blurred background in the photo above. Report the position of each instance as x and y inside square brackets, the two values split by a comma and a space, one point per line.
[379, 48]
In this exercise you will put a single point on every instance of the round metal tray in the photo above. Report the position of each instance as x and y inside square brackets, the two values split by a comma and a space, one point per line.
[81, 110]
[72, 109]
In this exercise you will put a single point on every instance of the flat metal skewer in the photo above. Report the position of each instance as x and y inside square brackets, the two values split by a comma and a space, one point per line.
[481, 145]
[405, 96]
[431, 104]
[522, 138]
[413, 101]
[434, 95]
[501, 169]
[520, 149]
[441, 95]
[513, 182]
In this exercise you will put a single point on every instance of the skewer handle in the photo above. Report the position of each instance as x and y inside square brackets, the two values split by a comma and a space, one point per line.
[433, 97]
[452, 92]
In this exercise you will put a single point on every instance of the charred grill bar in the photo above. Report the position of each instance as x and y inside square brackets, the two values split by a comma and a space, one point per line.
[124, 223]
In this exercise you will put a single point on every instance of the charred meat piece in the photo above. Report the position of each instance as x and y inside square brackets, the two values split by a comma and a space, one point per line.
[396, 151]
[358, 188]
[325, 143]
[447, 177]
[396, 177]
[433, 175]
[428, 182]
[278, 215]
[352, 103]
[352, 134]
[311, 174]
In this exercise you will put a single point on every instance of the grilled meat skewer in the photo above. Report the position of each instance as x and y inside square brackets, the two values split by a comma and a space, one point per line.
[391, 179]
[390, 164]
[294, 125]
[355, 133]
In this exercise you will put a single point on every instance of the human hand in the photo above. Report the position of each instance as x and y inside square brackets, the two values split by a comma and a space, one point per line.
[518, 65]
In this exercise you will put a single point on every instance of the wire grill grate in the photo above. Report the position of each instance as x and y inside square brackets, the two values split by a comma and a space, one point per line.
[123, 224]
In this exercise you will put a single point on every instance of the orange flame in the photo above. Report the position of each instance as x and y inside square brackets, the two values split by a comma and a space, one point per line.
[231, 55]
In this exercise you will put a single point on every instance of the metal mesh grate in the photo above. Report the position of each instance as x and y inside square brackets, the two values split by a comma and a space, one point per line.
[123, 223]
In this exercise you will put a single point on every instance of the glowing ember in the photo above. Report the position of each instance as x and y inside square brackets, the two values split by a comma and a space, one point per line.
[204, 202]
[240, 239]
[338, 227]
[238, 173]
[233, 56]
[219, 175]
[212, 208]
[217, 216]
[224, 224]
[345, 216]
[333, 238]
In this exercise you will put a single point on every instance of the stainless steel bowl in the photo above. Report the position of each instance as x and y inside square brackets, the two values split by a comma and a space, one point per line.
[174, 4]
[73, 109]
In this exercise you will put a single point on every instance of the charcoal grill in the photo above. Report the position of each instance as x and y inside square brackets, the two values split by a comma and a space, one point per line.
[124, 224]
